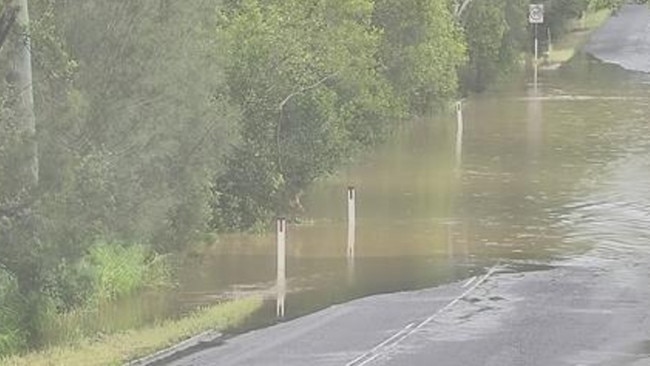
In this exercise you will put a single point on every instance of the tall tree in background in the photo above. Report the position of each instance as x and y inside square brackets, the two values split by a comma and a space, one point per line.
[19, 243]
[496, 35]
[145, 125]
[421, 51]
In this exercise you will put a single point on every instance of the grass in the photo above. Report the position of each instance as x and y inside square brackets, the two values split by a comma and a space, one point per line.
[116, 349]
[120, 270]
[565, 48]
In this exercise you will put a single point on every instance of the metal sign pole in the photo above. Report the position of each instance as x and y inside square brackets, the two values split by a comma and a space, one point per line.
[536, 57]
[535, 17]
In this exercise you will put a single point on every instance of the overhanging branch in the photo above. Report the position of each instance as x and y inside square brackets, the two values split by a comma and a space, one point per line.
[281, 111]
[460, 7]
[305, 89]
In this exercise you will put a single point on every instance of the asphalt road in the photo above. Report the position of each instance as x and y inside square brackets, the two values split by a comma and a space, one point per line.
[593, 310]
[625, 39]
[584, 312]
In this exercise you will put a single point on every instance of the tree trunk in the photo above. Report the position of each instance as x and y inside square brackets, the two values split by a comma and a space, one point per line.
[21, 80]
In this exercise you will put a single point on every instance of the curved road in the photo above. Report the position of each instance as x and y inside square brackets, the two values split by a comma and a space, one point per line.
[625, 39]
[593, 310]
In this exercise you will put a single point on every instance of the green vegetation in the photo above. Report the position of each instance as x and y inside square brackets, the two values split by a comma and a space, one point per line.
[118, 348]
[156, 121]
[70, 309]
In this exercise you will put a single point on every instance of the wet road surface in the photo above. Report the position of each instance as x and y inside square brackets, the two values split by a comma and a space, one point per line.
[586, 313]
[625, 39]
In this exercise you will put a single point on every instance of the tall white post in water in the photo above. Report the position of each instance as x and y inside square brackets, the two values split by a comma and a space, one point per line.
[351, 221]
[550, 40]
[281, 283]
[459, 133]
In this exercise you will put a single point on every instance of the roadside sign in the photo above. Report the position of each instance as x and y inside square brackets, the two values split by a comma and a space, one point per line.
[536, 13]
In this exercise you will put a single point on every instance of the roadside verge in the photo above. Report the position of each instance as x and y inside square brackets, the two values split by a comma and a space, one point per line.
[577, 36]
[120, 348]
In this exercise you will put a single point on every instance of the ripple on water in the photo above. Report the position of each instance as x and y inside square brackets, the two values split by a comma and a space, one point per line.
[614, 217]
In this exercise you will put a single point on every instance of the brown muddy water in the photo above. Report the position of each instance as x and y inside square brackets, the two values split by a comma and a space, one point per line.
[541, 176]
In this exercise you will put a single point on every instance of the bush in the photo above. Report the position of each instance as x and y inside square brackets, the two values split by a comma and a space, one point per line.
[12, 338]
[106, 273]
[120, 270]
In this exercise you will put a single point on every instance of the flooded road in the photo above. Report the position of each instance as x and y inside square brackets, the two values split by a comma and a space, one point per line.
[536, 179]
[540, 176]
[522, 241]
[529, 243]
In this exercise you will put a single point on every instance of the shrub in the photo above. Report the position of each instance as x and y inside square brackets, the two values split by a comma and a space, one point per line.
[12, 337]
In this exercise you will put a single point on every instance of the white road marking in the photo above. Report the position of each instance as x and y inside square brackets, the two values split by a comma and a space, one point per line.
[469, 282]
[378, 347]
[394, 340]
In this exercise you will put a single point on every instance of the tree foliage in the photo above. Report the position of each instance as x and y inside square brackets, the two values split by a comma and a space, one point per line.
[421, 51]
[304, 75]
[496, 34]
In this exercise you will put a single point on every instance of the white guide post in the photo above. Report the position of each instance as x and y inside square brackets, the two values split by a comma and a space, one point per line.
[281, 266]
[459, 133]
[351, 197]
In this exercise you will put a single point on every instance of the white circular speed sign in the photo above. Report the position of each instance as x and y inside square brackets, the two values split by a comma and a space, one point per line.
[536, 13]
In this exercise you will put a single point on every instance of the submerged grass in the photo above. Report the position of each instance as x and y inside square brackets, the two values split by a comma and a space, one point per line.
[116, 349]
[123, 269]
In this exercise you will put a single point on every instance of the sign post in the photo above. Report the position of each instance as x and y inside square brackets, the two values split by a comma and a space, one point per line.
[535, 17]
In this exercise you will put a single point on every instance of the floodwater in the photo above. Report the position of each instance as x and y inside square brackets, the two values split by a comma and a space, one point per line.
[539, 175]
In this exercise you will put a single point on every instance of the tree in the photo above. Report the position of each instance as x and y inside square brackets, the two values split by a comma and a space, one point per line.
[132, 129]
[19, 242]
[305, 77]
[422, 49]
[496, 34]
[144, 129]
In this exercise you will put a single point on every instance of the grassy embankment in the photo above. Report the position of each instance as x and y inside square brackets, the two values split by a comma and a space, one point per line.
[86, 335]
[116, 349]
[565, 48]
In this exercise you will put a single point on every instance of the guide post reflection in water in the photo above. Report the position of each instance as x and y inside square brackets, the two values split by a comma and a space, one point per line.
[351, 242]
[534, 121]
[351, 221]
